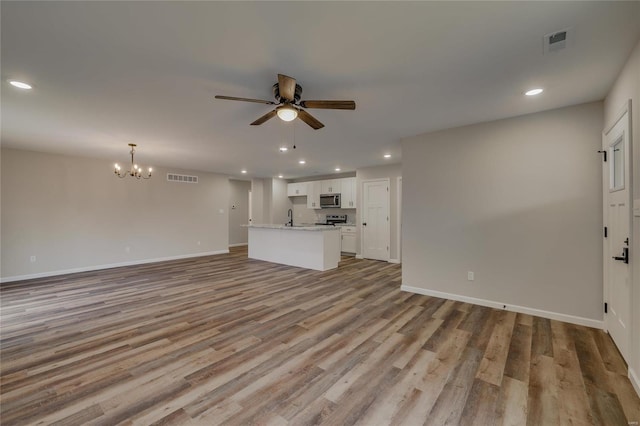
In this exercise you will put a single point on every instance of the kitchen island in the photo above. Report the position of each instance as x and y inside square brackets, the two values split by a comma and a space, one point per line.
[311, 247]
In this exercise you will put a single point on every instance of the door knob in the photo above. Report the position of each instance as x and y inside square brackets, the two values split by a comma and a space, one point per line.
[364, 223]
[625, 256]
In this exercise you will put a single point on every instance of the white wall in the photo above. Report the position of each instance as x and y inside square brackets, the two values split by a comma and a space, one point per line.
[238, 211]
[627, 86]
[270, 201]
[518, 202]
[258, 214]
[74, 213]
[280, 203]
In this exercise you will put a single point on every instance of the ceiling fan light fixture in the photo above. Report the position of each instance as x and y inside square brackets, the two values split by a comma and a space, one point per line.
[287, 113]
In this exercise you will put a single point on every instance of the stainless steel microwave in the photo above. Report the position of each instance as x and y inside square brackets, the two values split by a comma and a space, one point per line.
[328, 201]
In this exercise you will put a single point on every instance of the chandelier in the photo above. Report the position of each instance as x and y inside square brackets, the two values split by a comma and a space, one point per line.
[135, 170]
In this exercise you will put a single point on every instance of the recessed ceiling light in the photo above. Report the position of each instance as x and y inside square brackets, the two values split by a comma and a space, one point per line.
[284, 149]
[387, 156]
[280, 176]
[20, 84]
[337, 169]
[533, 92]
[243, 172]
[302, 162]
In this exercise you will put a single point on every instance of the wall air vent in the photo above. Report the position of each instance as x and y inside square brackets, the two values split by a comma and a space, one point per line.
[557, 41]
[172, 177]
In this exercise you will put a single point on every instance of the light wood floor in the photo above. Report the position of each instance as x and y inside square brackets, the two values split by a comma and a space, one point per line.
[227, 340]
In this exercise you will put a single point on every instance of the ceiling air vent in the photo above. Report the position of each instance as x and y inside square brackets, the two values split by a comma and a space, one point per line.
[557, 41]
[172, 177]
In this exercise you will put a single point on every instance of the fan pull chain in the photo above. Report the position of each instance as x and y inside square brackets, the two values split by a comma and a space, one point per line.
[294, 134]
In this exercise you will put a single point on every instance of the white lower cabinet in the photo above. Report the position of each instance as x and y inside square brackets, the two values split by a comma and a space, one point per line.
[348, 239]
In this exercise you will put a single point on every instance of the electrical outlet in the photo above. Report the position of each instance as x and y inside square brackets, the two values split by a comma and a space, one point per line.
[470, 276]
[32, 259]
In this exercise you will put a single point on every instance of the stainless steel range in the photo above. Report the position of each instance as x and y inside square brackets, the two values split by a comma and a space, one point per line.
[333, 219]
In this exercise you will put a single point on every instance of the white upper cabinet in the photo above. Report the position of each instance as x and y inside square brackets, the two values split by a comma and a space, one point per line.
[331, 186]
[295, 189]
[349, 194]
[313, 194]
[313, 189]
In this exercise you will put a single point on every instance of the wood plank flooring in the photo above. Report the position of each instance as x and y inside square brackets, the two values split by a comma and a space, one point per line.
[225, 340]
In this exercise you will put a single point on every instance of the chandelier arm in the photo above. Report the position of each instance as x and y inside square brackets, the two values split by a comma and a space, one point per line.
[134, 171]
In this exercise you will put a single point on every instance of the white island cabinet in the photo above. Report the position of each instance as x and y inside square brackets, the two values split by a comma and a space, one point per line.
[311, 247]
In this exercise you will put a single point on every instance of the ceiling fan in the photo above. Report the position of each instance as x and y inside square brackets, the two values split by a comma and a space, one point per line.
[287, 94]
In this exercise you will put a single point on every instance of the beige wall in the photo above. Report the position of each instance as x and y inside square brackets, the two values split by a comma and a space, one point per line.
[73, 213]
[627, 86]
[516, 201]
[392, 172]
[238, 211]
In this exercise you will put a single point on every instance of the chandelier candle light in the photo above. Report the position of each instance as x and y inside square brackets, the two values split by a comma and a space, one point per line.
[135, 170]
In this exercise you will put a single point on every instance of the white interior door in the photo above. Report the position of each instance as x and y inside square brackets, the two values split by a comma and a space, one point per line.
[375, 219]
[617, 288]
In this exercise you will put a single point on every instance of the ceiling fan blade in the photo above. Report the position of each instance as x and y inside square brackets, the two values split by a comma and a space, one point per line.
[287, 87]
[232, 98]
[264, 118]
[329, 104]
[309, 119]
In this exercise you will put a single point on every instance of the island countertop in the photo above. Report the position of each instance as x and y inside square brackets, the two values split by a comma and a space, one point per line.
[294, 227]
[313, 247]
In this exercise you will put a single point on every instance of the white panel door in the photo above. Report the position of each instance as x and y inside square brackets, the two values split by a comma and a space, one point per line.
[616, 248]
[375, 219]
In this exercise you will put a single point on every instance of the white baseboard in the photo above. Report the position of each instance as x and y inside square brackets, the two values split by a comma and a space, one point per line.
[359, 256]
[394, 260]
[238, 245]
[107, 266]
[635, 381]
[588, 322]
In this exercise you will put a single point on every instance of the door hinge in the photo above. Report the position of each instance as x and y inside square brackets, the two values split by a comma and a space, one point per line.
[605, 232]
[387, 248]
[604, 155]
[605, 307]
[387, 189]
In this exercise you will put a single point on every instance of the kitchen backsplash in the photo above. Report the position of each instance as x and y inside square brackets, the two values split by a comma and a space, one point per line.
[301, 214]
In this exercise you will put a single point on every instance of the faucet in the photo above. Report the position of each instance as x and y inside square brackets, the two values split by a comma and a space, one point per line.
[290, 217]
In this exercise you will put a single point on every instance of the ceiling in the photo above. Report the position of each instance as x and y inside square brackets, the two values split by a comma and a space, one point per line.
[106, 74]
